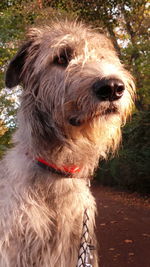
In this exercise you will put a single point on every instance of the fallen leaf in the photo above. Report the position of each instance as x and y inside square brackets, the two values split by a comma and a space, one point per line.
[131, 254]
[146, 235]
[120, 211]
[128, 241]
[116, 255]
[111, 249]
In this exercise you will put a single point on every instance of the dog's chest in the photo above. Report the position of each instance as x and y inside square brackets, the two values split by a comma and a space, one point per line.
[50, 232]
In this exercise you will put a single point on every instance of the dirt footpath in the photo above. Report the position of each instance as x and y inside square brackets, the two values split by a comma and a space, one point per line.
[123, 228]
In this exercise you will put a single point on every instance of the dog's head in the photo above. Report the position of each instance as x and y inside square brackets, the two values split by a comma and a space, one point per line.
[74, 84]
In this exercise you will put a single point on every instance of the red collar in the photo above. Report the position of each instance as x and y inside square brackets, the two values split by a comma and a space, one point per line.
[64, 170]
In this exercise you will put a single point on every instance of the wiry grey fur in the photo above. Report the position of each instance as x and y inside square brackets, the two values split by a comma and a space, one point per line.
[61, 121]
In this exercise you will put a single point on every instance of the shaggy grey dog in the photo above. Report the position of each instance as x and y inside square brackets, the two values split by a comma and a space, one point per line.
[76, 97]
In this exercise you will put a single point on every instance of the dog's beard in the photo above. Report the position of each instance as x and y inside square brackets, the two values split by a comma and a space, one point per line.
[101, 129]
[104, 111]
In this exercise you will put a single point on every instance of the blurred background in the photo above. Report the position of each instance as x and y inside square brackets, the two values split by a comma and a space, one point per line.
[126, 23]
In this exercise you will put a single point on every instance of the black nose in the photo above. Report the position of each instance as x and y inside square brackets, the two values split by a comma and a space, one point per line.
[108, 89]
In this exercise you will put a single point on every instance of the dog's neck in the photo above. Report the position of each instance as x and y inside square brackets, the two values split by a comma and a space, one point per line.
[65, 171]
[80, 152]
[75, 163]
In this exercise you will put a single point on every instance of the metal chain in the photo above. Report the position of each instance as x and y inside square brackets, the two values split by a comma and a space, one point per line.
[85, 256]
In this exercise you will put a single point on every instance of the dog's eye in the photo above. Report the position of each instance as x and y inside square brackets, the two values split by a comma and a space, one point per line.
[64, 58]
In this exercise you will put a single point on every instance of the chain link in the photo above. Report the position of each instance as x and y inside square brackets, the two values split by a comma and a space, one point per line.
[85, 257]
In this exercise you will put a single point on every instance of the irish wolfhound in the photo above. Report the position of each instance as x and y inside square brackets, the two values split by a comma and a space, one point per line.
[76, 97]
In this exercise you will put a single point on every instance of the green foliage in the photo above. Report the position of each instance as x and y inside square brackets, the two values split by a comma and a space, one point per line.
[5, 141]
[130, 169]
[8, 108]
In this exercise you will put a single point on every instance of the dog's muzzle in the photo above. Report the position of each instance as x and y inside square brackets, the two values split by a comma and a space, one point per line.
[108, 89]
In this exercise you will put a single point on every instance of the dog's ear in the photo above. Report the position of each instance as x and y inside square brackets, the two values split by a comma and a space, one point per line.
[15, 67]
